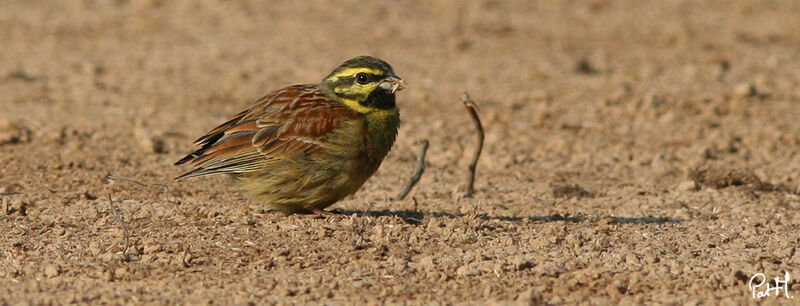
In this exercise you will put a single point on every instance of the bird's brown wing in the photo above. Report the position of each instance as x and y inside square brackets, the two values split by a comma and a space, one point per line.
[293, 120]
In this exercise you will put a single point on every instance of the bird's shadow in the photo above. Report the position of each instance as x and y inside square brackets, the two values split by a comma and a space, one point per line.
[416, 217]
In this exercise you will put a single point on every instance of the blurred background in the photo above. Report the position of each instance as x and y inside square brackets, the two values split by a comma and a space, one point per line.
[591, 108]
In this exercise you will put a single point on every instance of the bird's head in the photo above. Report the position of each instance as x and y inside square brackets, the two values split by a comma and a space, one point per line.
[364, 84]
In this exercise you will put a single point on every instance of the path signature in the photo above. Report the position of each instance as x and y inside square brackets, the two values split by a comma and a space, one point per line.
[758, 280]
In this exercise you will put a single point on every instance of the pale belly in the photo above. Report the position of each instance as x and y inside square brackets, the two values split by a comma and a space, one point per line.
[298, 186]
[305, 183]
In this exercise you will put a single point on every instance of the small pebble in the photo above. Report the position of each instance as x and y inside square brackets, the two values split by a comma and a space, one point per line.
[52, 270]
[607, 221]
[467, 270]
[120, 272]
[13, 132]
[149, 142]
[745, 89]
[687, 186]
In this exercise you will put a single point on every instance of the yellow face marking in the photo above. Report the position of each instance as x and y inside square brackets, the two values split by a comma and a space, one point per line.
[358, 92]
[369, 111]
[353, 71]
[354, 105]
[357, 89]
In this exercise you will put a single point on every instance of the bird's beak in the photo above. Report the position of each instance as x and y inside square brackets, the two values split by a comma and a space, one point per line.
[393, 84]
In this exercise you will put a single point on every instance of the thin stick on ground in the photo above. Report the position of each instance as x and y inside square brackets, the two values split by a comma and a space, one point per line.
[412, 181]
[115, 211]
[187, 257]
[472, 107]
[125, 179]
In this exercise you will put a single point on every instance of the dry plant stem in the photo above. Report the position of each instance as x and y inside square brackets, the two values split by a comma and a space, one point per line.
[125, 179]
[472, 107]
[187, 257]
[412, 181]
[117, 216]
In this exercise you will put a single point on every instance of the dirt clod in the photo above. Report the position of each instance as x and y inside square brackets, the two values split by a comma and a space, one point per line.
[468, 270]
[689, 185]
[745, 89]
[14, 132]
[52, 270]
[16, 206]
[606, 221]
[530, 297]
[719, 177]
[149, 142]
[570, 191]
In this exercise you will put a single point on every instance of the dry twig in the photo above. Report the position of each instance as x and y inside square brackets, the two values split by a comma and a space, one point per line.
[472, 107]
[115, 211]
[187, 257]
[125, 179]
[412, 181]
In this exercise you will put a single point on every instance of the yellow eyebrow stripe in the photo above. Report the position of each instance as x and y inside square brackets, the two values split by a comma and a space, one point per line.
[353, 71]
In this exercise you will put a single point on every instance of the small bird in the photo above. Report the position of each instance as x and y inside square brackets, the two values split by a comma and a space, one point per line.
[304, 147]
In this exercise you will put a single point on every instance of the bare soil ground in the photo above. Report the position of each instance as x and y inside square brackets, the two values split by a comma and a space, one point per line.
[636, 151]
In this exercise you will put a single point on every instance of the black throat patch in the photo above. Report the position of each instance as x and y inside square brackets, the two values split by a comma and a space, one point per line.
[380, 99]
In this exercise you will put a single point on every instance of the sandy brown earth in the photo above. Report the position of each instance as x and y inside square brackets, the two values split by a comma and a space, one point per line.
[636, 151]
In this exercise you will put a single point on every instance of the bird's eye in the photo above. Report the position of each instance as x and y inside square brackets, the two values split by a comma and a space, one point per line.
[362, 78]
